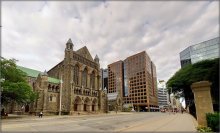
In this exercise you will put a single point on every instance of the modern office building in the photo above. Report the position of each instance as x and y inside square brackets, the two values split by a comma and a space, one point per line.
[104, 77]
[163, 97]
[135, 80]
[115, 85]
[205, 50]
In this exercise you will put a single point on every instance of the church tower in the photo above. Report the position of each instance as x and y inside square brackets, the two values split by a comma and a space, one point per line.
[69, 50]
[66, 76]
[96, 59]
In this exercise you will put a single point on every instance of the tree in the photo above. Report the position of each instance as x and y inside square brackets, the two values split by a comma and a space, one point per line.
[15, 87]
[203, 70]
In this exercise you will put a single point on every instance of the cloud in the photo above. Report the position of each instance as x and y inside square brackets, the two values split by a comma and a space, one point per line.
[35, 33]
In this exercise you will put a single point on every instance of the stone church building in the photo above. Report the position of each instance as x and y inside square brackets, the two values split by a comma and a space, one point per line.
[81, 88]
[74, 83]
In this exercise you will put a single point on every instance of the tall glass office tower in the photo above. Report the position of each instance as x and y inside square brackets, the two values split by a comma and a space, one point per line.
[205, 50]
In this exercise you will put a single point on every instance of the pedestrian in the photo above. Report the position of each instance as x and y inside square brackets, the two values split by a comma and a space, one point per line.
[41, 114]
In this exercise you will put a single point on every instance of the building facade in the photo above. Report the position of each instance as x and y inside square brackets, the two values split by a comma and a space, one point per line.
[72, 86]
[135, 81]
[80, 74]
[115, 86]
[175, 103]
[205, 50]
[104, 77]
[48, 90]
[140, 82]
[163, 97]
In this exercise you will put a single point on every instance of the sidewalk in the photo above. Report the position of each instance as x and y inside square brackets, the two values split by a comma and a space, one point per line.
[14, 117]
[169, 123]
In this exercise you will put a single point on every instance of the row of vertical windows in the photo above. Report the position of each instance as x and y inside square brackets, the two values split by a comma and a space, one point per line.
[84, 77]
[76, 75]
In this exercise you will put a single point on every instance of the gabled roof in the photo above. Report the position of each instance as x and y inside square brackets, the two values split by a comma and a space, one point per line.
[53, 80]
[55, 66]
[85, 53]
[29, 72]
[34, 73]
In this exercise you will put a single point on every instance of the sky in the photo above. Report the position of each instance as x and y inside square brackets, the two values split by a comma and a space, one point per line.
[35, 32]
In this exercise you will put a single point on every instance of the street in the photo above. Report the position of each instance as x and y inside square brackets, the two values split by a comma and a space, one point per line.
[121, 122]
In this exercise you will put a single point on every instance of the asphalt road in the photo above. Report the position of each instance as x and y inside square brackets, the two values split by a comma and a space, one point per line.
[122, 122]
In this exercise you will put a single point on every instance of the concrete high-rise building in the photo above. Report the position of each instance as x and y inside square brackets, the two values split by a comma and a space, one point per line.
[205, 50]
[135, 81]
[163, 97]
[115, 85]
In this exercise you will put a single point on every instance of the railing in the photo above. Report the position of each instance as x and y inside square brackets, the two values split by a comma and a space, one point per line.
[86, 92]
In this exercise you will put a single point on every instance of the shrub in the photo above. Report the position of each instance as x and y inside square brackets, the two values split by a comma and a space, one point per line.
[127, 109]
[213, 121]
[204, 129]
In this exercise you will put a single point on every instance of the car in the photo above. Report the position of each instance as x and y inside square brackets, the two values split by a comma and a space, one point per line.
[162, 110]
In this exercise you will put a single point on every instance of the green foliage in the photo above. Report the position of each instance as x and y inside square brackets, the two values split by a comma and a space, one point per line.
[204, 129]
[200, 71]
[203, 70]
[213, 121]
[14, 84]
[127, 109]
[9, 72]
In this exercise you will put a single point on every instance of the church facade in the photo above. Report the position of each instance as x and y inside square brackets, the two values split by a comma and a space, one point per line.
[81, 87]
[72, 86]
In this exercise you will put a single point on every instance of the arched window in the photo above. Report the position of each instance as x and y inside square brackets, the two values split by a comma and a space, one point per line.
[92, 80]
[51, 98]
[84, 77]
[57, 88]
[76, 74]
[53, 88]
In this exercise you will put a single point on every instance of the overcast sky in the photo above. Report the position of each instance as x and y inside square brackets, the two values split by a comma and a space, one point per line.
[35, 33]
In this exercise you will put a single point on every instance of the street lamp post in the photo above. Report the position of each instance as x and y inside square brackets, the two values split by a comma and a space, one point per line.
[71, 95]
[106, 100]
[61, 82]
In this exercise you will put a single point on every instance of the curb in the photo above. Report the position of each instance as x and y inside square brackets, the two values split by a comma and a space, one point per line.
[26, 117]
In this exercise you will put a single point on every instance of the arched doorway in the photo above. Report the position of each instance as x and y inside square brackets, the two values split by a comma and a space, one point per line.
[94, 105]
[87, 105]
[77, 104]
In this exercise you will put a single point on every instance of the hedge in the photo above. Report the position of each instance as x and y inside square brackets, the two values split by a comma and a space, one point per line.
[213, 121]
